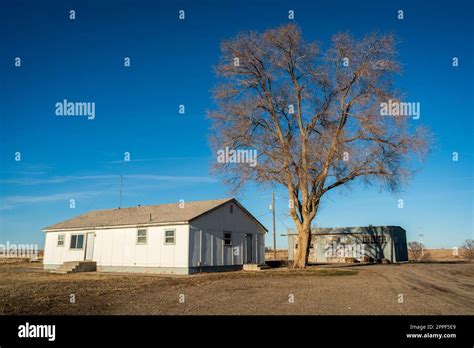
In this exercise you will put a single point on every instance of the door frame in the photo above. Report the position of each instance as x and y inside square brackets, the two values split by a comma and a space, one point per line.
[248, 237]
[87, 245]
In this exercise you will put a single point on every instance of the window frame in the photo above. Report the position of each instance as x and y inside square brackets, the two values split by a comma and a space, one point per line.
[64, 240]
[377, 239]
[224, 239]
[231, 209]
[77, 235]
[146, 236]
[165, 236]
[367, 239]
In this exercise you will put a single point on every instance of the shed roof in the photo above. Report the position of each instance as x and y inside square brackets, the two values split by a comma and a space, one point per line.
[150, 214]
[351, 230]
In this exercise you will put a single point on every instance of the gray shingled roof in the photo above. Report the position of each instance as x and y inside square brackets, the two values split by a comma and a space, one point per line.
[162, 213]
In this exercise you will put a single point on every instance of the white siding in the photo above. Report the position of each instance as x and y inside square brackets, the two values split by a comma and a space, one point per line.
[212, 252]
[56, 255]
[201, 244]
[118, 247]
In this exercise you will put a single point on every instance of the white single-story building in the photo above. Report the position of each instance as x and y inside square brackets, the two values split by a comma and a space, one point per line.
[180, 238]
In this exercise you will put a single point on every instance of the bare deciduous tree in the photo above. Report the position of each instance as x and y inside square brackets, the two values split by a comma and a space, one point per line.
[415, 250]
[467, 249]
[313, 117]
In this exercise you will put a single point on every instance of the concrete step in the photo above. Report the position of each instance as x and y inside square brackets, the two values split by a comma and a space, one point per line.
[76, 266]
[254, 267]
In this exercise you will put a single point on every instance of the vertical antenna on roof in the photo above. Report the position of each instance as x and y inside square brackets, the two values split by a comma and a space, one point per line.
[120, 197]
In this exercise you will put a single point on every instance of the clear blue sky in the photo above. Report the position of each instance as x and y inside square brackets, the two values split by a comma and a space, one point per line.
[171, 64]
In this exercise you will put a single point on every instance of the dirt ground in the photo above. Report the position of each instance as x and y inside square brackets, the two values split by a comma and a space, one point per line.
[421, 288]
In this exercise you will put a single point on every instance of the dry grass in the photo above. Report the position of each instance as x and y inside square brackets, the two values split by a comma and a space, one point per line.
[282, 254]
[442, 254]
[435, 254]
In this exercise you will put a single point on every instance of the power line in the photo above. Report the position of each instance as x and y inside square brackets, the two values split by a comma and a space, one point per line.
[268, 212]
[278, 217]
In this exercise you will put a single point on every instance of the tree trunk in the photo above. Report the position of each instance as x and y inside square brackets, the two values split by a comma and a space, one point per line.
[301, 257]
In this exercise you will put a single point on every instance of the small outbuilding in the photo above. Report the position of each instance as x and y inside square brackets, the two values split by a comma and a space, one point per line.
[374, 243]
[181, 238]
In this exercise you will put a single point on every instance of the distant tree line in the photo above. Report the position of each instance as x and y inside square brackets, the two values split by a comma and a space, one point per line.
[417, 251]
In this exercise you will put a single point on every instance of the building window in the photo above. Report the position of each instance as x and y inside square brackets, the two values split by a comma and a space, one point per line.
[77, 241]
[231, 208]
[367, 239]
[227, 238]
[378, 239]
[170, 237]
[141, 236]
[61, 238]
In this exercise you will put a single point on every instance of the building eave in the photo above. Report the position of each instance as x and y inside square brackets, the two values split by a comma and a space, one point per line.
[151, 224]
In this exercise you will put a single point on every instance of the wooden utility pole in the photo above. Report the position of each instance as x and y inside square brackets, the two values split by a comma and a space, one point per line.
[274, 228]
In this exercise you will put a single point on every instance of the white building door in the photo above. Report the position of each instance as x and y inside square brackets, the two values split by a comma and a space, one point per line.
[249, 248]
[89, 247]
